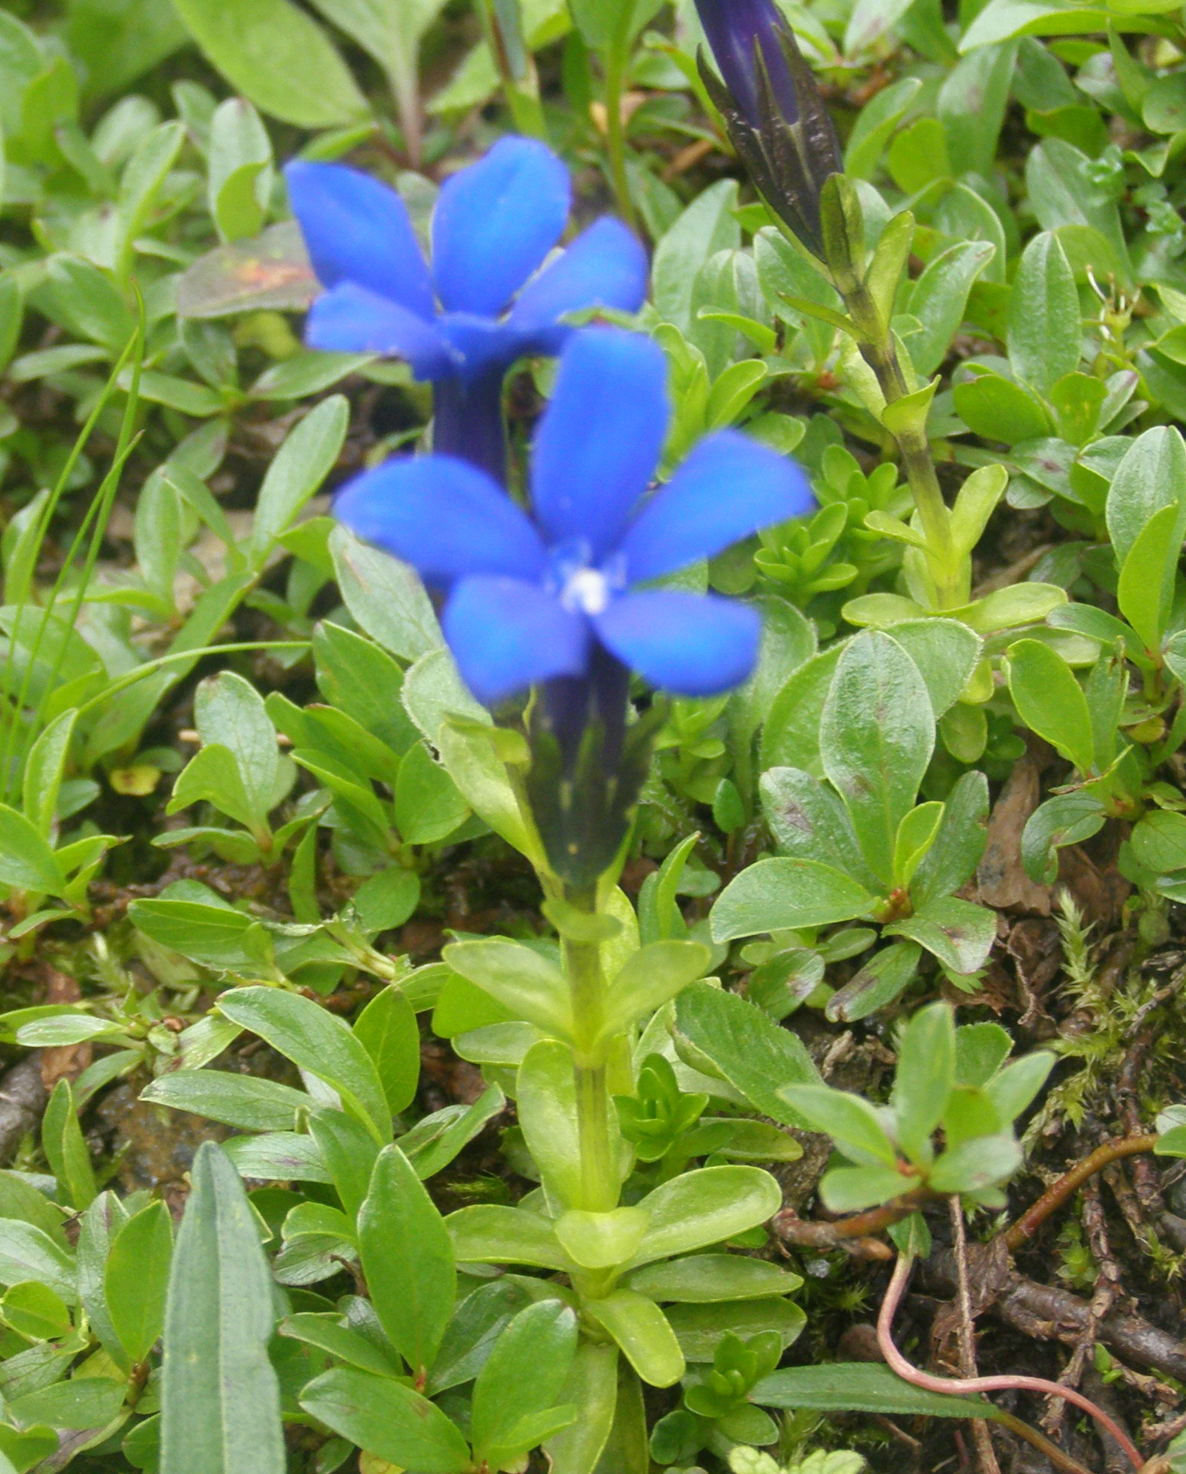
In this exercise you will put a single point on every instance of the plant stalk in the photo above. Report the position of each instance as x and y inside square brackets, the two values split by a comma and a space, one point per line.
[586, 981]
[878, 349]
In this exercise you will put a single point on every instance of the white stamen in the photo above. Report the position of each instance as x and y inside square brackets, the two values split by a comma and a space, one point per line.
[587, 590]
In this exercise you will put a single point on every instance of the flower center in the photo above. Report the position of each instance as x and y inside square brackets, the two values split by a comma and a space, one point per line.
[580, 587]
[587, 589]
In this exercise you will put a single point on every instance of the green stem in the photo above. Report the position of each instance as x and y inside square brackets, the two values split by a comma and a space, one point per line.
[586, 981]
[617, 60]
[946, 567]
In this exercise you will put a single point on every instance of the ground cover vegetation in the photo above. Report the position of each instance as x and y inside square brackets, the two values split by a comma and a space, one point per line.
[592, 835]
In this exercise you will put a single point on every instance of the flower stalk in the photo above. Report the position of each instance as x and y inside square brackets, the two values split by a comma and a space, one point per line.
[583, 967]
[947, 571]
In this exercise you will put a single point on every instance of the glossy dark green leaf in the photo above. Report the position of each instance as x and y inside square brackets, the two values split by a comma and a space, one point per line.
[387, 1419]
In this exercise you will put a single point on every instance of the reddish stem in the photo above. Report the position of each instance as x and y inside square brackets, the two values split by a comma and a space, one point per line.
[1054, 1197]
[962, 1386]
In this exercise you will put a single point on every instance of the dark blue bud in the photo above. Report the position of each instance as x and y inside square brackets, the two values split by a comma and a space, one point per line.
[739, 32]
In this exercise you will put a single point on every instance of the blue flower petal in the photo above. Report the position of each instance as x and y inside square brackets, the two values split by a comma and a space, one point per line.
[506, 635]
[358, 230]
[727, 488]
[495, 222]
[443, 516]
[688, 644]
[599, 440]
[605, 266]
[351, 319]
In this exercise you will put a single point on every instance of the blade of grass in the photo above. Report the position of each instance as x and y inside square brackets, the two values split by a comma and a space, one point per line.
[94, 526]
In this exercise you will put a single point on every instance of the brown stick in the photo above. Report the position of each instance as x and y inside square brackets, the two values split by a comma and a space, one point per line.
[986, 1456]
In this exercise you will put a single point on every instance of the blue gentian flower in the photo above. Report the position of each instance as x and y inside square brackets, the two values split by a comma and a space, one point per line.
[544, 598]
[484, 303]
[772, 109]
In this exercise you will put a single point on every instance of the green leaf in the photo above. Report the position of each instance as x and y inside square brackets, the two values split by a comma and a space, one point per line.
[707, 225]
[701, 1329]
[36, 1312]
[1149, 476]
[342, 1342]
[83, 1404]
[643, 1335]
[777, 894]
[984, 1161]
[915, 835]
[523, 1378]
[407, 1257]
[388, 1032]
[435, 1140]
[317, 1041]
[887, 974]
[136, 1279]
[217, 936]
[65, 1150]
[809, 822]
[939, 298]
[997, 409]
[601, 1240]
[387, 599]
[924, 1078]
[602, 21]
[1045, 331]
[593, 1388]
[852, 1189]
[705, 1207]
[1065, 819]
[860, 1387]
[1050, 701]
[652, 976]
[708, 1278]
[28, 1253]
[522, 980]
[240, 168]
[1015, 1086]
[230, 712]
[877, 739]
[489, 1233]
[349, 1152]
[852, 1123]
[1145, 592]
[246, 1101]
[959, 933]
[278, 57]
[959, 844]
[724, 1036]
[428, 805]
[27, 862]
[388, 1420]
[219, 1395]
[299, 467]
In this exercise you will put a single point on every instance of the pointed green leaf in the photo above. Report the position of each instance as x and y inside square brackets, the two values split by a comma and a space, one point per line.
[407, 1257]
[220, 1397]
